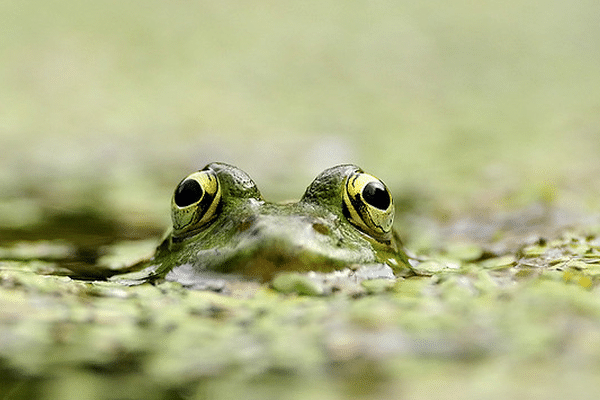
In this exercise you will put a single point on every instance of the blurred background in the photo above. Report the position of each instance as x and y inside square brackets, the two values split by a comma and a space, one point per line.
[463, 108]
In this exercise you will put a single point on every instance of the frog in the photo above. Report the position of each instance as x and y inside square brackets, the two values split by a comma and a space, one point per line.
[222, 226]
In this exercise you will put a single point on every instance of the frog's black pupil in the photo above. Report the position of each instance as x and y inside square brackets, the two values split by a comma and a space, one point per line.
[377, 195]
[188, 192]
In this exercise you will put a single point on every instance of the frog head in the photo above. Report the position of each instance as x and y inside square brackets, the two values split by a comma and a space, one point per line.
[223, 225]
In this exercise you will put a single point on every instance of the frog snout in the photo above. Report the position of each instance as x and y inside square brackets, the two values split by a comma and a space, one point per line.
[285, 232]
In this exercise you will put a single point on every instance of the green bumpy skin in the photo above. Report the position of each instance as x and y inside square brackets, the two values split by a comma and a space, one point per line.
[223, 226]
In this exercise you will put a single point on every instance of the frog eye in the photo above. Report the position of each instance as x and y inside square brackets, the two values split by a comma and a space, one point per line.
[368, 204]
[195, 201]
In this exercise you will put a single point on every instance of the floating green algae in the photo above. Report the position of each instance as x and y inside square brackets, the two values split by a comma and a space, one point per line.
[62, 336]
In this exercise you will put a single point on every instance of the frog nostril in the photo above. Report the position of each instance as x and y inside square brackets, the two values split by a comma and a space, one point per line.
[321, 228]
[255, 232]
[246, 224]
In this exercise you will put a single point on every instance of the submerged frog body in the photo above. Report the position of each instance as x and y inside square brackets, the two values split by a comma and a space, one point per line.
[222, 225]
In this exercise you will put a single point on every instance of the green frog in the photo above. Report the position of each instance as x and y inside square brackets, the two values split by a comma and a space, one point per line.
[223, 226]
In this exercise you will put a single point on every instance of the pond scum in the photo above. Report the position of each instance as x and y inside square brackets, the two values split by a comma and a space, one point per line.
[471, 324]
